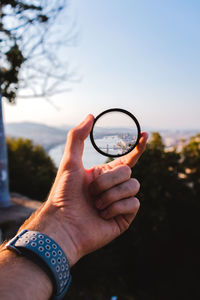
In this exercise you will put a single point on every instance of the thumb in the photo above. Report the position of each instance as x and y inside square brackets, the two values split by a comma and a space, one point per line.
[72, 157]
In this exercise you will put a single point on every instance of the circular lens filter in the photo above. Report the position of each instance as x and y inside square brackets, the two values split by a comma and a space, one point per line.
[115, 132]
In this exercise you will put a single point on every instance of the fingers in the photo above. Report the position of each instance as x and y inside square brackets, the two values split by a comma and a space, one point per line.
[120, 203]
[121, 191]
[128, 206]
[131, 158]
[115, 195]
[110, 179]
[75, 143]
[124, 221]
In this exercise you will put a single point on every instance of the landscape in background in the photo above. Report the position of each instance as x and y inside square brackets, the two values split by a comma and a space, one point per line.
[50, 137]
[53, 139]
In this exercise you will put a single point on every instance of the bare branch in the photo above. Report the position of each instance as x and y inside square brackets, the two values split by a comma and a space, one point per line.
[31, 29]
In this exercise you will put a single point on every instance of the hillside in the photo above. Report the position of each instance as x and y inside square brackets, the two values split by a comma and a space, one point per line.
[42, 134]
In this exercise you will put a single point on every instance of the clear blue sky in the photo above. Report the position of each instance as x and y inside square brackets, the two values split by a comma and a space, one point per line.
[141, 55]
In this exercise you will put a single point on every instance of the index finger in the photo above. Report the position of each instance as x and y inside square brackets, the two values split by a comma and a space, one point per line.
[131, 158]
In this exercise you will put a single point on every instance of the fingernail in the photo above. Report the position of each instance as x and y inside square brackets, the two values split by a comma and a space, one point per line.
[99, 203]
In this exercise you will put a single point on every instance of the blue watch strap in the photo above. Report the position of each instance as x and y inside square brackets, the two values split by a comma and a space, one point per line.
[47, 253]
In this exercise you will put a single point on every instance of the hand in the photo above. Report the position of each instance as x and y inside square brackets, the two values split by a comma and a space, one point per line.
[86, 209]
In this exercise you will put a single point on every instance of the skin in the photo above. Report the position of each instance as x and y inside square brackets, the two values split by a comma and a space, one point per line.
[85, 210]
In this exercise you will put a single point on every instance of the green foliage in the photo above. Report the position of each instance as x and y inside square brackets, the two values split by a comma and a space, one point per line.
[31, 170]
[9, 76]
[191, 163]
[156, 142]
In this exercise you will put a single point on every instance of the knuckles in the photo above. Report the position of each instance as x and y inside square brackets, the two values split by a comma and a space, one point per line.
[113, 210]
[124, 190]
[105, 182]
[108, 197]
[120, 207]
[129, 188]
[126, 171]
[97, 185]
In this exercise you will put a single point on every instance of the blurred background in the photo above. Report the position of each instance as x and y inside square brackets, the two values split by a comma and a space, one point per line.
[61, 60]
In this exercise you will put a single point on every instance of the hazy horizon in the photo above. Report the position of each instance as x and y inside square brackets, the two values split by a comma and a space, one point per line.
[63, 126]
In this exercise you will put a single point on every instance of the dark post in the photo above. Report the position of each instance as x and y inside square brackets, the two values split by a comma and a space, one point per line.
[4, 190]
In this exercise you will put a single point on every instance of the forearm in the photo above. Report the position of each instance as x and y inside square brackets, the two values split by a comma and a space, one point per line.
[22, 279]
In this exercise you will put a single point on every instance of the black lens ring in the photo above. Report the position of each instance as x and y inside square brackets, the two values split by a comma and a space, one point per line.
[115, 110]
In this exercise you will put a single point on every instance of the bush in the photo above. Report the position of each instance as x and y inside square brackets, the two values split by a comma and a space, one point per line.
[31, 170]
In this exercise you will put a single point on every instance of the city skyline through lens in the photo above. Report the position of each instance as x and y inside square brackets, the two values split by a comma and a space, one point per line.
[115, 132]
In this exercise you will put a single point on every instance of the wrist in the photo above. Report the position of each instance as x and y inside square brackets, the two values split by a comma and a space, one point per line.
[48, 220]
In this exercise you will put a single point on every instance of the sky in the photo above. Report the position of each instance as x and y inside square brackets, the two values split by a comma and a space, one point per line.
[139, 55]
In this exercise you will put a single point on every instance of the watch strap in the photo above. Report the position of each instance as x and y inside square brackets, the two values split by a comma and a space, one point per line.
[45, 252]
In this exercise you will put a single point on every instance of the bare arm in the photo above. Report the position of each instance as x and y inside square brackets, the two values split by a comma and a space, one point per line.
[22, 279]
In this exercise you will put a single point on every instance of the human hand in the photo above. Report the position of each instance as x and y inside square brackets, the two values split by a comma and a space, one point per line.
[86, 209]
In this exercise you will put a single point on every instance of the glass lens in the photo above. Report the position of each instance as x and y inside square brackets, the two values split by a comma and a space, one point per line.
[115, 133]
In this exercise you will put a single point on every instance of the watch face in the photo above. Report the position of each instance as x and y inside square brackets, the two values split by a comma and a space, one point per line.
[115, 132]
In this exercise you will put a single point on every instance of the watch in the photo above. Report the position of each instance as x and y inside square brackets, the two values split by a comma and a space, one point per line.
[46, 253]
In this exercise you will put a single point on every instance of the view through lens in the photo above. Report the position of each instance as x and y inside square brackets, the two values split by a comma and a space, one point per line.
[115, 133]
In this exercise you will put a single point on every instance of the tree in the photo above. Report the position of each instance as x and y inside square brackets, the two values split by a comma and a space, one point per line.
[30, 59]
[156, 141]
[191, 163]
[30, 48]
[31, 170]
